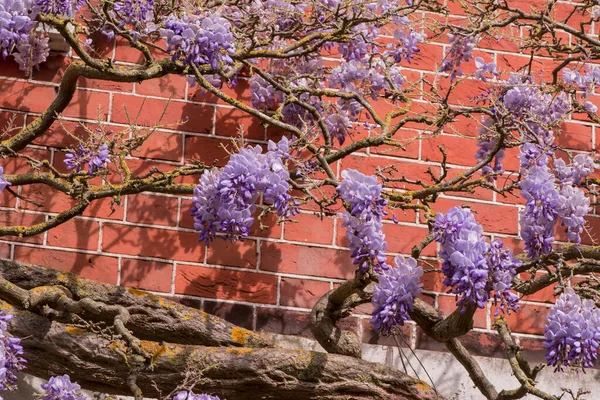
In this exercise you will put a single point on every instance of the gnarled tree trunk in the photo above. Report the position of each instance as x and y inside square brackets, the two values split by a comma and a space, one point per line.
[181, 342]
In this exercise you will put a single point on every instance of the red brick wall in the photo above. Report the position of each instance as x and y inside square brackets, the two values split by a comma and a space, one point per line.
[271, 280]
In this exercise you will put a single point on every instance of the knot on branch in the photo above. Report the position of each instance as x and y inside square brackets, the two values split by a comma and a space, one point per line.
[333, 339]
[335, 305]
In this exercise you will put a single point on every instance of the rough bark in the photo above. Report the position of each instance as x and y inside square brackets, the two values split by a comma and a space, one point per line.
[53, 345]
[439, 327]
[333, 339]
[340, 302]
[151, 317]
[333, 306]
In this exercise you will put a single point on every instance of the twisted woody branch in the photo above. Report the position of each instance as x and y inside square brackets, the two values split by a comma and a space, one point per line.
[172, 342]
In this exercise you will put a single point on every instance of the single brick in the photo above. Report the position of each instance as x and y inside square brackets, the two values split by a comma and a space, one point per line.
[75, 234]
[152, 209]
[147, 275]
[152, 242]
[310, 228]
[91, 266]
[226, 284]
[306, 260]
[235, 254]
[302, 293]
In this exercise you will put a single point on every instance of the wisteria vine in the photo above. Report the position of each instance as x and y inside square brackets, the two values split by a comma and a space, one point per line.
[317, 69]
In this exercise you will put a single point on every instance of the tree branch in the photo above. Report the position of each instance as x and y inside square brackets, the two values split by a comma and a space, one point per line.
[472, 366]
[151, 317]
[104, 363]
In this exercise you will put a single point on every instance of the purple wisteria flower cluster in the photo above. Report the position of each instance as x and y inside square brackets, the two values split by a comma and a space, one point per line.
[407, 46]
[572, 332]
[61, 388]
[581, 166]
[487, 141]
[522, 101]
[64, 8]
[185, 395]
[10, 355]
[395, 294]
[139, 14]
[199, 40]
[264, 96]
[397, 288]
[461, 50]
[573, 205]
[364, 229]
[16, 23]
[3, 183]
[225, 200]
[484, 68]
[361, 44]
[502, 266]
[588, 81]
[32, 52]
[472, 267]
[95, 155]
[550, 195]
[17, 32]
[539, 216]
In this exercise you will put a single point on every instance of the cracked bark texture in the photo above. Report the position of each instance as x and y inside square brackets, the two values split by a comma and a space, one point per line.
[181, 340]
[151, 317]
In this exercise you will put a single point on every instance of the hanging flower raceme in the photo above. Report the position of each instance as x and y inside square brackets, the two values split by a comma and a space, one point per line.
[64, 8]
[364, 229]
[588, 81]
[524, 100]
[572, 332]
[539, 216]
[16, 23]
[17, 20]
[573, 205]
[10, 355]
[95, 156]
[61, 388]
[264, 96]
[473, 268]
[502, 266]
[552, 195]
[363, 195]
[395, 293]
[486, 143]
[483, 68]
[549, 193]
[535, 114]
[32, 52]
[581, 166]
[461, 50]
[139, 14]
[200, 40]
[406, 46]
[225, 200]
